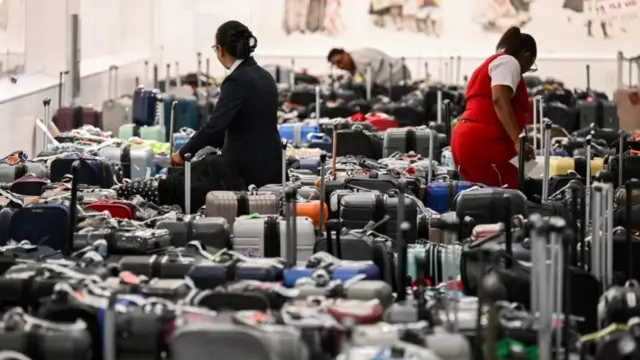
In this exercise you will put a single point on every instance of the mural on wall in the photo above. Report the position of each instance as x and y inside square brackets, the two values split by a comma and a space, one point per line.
[579, 26]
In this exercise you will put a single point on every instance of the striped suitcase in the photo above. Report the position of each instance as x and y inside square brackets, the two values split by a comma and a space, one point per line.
[230, 204]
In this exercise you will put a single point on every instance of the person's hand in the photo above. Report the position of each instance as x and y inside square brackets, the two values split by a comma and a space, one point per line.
[176, 159]
[529, 152]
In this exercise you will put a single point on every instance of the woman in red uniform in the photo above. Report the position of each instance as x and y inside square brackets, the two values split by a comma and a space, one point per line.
[486, 138]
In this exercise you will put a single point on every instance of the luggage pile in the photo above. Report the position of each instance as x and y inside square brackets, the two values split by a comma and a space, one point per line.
[372, 247]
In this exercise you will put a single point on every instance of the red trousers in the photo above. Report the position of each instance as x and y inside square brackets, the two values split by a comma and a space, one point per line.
[483, 153]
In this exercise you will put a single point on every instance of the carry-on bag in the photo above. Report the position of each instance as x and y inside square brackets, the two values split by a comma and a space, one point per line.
[145, 106]
[93, 171]
[603, 113]
[180, 110]
[485, 205]
[69, 118]
[297, 133]
[116, 208]
[29, 185]
[10, 172]
[116, 111]
[210, 231]
[417, 140]
[56, 222]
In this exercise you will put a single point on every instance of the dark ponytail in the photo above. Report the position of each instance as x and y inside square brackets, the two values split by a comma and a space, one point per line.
[236, 39]
[513, 41]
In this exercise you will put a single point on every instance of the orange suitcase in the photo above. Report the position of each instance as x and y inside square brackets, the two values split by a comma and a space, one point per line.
[311, 209]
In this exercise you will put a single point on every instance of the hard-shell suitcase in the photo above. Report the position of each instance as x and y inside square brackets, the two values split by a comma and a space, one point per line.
[229, 204]
[151, 132]
[358, 210]
[304, 192]
[440, 195]
[557, 166]
[171, 265]
[266, 235]
[69, 118]
[200, 340]
[52, 225]
[136, 161]
[93, 171]
[145, 106]
[486, 206]
[603, 113]
[11, 172]
[297, 133]
[212, 232]
[185, 114]
[116, 111]
[413, 140]
[116, 208]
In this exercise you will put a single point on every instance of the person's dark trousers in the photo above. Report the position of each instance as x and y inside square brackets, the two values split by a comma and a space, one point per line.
[214, 172]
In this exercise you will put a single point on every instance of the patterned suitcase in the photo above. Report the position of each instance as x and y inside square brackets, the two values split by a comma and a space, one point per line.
[230, 204]
[136, 161]
[266, 235]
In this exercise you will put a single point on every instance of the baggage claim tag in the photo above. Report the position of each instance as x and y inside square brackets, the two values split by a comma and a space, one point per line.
[529, 166]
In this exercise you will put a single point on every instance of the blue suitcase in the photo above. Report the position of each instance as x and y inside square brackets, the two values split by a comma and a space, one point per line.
[320, 141]
[93, 171]
[145, 106]
[181, 137]
[440, 195]
[186, 114]
[311, 164]
[52, 226]
[344, 270]
[297, 133]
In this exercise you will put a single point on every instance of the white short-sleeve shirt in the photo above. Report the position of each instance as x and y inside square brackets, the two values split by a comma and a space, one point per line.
[505, 70]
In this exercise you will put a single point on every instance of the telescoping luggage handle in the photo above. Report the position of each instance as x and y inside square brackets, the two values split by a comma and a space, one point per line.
[46, 121]
[112, 82]
[198, 70]
[167, 80]
[546, 149]
[292, 74]
[602, 233]
[317, 112]
[323, 189]
[291, 254]
[368, 81]
[61, 87]
[187, 184]
[73, 206]
[172, 120]
[178, 80]
[538, 125]
[402, 243]
[284, 144]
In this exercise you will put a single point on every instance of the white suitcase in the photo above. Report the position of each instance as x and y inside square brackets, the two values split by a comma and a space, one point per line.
[259, 232]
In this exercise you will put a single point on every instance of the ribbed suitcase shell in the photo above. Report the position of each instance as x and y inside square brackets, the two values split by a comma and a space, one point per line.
[249, 234]
[395, 139]
[225, 204]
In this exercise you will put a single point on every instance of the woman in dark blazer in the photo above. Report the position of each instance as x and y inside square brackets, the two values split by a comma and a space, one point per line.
[244, 123]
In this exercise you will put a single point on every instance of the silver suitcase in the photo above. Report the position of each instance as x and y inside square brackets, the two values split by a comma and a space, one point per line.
[230, 204]
[199, 341]
[137, 161]
[398, 139]
[252, 232]
[115, 111]
[9, 172]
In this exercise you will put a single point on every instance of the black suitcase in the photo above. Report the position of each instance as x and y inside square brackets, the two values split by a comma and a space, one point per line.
[561, 115]
[485, 206]
[358, 143]
[603, 113]
[359, 210]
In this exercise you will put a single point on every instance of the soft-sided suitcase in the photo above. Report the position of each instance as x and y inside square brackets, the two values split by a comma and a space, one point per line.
[116, 208]
[357, 211]
[42, 224]
[69, 118]
[151, 132]
[29, 185]
[185, 114]
[267, 235]
[229, 204]
[145, 106]
[136, 161]
[440, 195]
[297, 133]
[406, 140]
[93, 171]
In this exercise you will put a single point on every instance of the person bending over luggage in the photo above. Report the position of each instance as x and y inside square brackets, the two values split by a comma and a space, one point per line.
[485, 140]
[355, 62]
[244, 123]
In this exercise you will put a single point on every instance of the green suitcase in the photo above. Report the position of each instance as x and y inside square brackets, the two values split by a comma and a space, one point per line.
[128, 131]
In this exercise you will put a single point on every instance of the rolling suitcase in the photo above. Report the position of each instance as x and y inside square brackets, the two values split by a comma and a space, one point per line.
[116, 111]
[407, 140]
[230, 204]
[145, 106]
[11, 172]
[297, 133]
[603, 113]
[266, 235]
[69, 118]
[185, 114]
[151, 132]
[136, 161]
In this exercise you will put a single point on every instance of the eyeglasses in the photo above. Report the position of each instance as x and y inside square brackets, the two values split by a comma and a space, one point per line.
[534, 68]
[215, 47]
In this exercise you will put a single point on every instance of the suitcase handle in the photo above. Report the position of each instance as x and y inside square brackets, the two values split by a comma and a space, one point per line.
[291, 251]
[187, 184]
[73, 206]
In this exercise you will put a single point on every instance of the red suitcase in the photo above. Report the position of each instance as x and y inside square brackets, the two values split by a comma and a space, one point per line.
[117, 209]
[69, 118]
